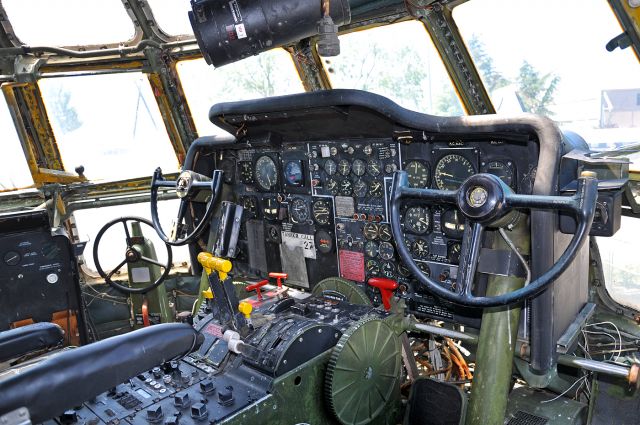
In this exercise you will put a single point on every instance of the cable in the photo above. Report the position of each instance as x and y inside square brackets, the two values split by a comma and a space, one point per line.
[515, 250]
[619, 336]
[583, 379]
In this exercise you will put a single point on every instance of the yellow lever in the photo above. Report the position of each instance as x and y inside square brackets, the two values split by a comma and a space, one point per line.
[211, 264]
[245, 308]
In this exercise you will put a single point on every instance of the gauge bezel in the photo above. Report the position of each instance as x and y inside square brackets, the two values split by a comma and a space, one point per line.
[314, 215]
[409, 227]
[469, 155]
[508, 163]
[293, 212]
[275, 160]
[427, 168]
[287, 180]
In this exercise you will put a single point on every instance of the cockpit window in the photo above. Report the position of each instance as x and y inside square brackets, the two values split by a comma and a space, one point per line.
[69, 22]
[398, 61]
[172, 16]
[556, 71]
[14, 172]
[268, 74]
[109, 124]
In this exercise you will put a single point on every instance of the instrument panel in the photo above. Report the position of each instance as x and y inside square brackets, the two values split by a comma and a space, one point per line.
[321, 209]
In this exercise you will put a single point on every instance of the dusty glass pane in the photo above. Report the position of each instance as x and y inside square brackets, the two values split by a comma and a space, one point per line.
[269, 74]
[563, 71]
[172, 16]
[398, 61]
[110, 124]
[14, 172]
[69, 22]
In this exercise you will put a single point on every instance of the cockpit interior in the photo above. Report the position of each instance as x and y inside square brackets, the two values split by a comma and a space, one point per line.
[308, 212]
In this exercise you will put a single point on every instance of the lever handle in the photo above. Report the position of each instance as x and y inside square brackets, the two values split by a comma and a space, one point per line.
[386, 287]
[256, 287]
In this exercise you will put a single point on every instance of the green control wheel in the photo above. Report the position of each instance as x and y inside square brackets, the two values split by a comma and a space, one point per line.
[364, 372]
[341, 289]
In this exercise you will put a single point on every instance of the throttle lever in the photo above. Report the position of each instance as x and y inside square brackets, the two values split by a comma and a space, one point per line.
[386, 287]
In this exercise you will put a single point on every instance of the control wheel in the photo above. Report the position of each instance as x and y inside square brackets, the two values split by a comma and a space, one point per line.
[131, 255]
[364, 371]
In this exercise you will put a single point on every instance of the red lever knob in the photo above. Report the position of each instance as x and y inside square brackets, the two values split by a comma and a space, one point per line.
[279, 277]
[256, 287]
[386, 287]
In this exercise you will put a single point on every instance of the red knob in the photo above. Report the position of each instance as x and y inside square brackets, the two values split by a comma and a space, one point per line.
[256, 287]
[386, 287]
[279, 277]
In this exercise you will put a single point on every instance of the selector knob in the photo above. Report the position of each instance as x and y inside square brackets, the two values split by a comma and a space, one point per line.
[185, 377]
[154, 414]
[199, 411]
[225, 396]
[156, 372]
[181, 400]
[69, 417]
[207, 387]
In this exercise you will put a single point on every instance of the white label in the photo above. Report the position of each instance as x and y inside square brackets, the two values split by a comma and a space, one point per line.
[325, 152]
[140, 274]
[241, 31]
[306, 242]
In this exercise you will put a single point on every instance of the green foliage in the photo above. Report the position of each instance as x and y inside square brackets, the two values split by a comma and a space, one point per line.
[493, 79]
[536, 91]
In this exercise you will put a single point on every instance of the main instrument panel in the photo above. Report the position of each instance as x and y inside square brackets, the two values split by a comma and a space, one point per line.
[320, 209]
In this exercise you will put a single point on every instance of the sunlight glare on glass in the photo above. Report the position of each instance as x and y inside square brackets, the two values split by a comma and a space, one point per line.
[14, 172]
[172, 16]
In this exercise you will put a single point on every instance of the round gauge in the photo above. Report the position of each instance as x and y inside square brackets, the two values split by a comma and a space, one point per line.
[374, 167]
[375, 189]
[403, 270]
[333, 151]
[390, 168]
[274, 234]
[333, 186]
[346, 187]
[360, 188]
[386, 251]
[385, 232]
[324, 241]
[371, 249]
[266, 173]
[370, 231]
[228, 167]
[504, 170]
[453, 224]
[424, 269]
[246, 172]
[372, 267]
[344, 167]
[270, 208]
[330, 167]
[368, 150]
[454, 252]
[12, 258]
[321, 211]
[417, 174]
[250, 204]
[388, 269]
[359, 167]
[299, 210]
[451, 171]
[417, 220]
[293, 173]
[420, 249]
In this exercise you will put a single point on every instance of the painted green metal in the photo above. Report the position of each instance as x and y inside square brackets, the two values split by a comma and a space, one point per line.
[349, 290]
[157, 300]
[496, 343]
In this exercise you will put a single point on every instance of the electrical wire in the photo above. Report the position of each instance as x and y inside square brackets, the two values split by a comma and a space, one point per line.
[581, 379]
[509, 242]
[605, 333]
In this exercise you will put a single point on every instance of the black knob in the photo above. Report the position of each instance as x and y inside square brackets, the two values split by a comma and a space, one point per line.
[154, 414]
[225, 396]
[157, 372]
[181, 400]
[207, 387]
[69, 417]
[80, 170]
[199, 411]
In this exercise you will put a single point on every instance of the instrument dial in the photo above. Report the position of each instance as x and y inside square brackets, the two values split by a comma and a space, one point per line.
[403, 270]
[372, 267]
[417, 174]
[324, 241]
[293, 173]
[12, 258]
[501, 169]
[270, 208]
[424, 269]
[330, 167]
[344, 167]
[368, 150]
[420, 249]
[370, 231]
[333, 186]
[376, 189]
[250, 204]
[346, 187]
[453, 224]
[266, 173]
[374, 167]
[385, 232]
[451, 171]
[299, 210]
[246, 172]
[387, 269]
[390, 168]
[386, 251]
[454, 252]
[359, 167]
[321, 211]
[228, 167]
[417, 220]
[371, 249]
[360, 188]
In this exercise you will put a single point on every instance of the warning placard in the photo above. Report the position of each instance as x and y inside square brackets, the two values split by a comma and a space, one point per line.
[306, 242]
[352, 265]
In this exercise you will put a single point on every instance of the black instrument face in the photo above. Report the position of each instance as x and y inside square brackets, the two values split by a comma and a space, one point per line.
[374, 168]
[299, 210]
[324, 241]
[451, 171]
[418, 174]
[453, 223]
[502, 169]
[371, 249]
[246, 172]
[12, 258]
[346, 187]
[250, 204]
[386, 251]
[330, 167]
[360, 188]
[385, 232]
[270, 208]
[376, 189]
[359, 167]
[420, 249]
[293, 173]
[344, 167]
[266, 173]
[417, 220]
[321, 211]
[333, 186]
[371, 231]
